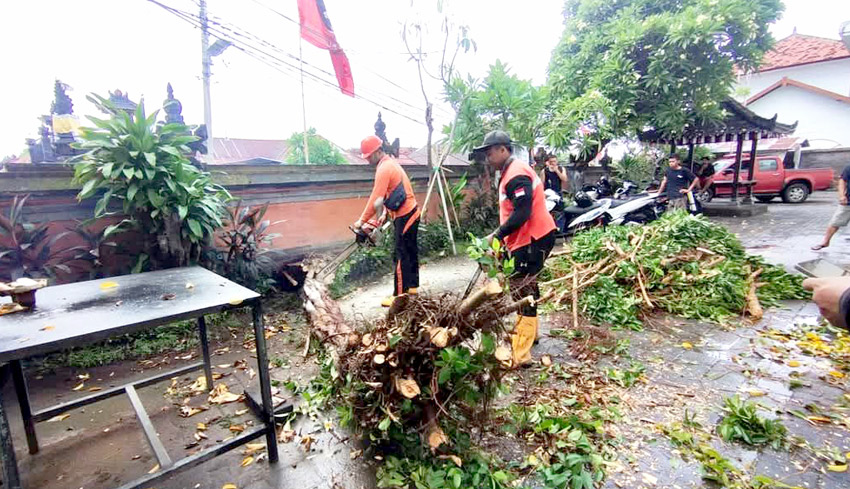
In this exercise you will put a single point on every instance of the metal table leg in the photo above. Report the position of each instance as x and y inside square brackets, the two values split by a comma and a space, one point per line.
[11, 479]
[205, 351]
[265, 383]
[24, 401]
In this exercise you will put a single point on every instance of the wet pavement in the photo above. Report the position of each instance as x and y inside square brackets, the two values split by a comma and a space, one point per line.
[747, 360]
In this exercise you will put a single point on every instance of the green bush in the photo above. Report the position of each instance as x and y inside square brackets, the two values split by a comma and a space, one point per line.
[145, 167]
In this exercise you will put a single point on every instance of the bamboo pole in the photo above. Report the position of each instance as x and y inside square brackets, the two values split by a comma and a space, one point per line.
[446, 215]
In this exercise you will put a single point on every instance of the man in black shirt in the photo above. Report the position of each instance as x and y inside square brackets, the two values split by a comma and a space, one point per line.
[554, 177]
[678, 181]
[842, 214]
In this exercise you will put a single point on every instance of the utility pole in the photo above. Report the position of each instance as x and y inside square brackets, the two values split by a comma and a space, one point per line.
[206, 62]
[303, 103]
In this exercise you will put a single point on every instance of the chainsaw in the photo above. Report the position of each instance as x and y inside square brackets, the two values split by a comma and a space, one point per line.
[366, 235]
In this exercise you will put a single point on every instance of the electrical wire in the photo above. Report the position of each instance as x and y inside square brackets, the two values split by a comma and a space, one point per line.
[382, 77]
[271, 60]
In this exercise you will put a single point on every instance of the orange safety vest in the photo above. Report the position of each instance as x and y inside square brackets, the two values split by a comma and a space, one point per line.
[540, 222]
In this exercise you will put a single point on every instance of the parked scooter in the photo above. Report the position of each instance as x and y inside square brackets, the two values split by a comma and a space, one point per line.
[640, 209]
[600, 190]
[570, 219]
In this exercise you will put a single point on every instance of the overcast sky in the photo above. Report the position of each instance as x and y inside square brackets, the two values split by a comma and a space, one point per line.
[136, 46]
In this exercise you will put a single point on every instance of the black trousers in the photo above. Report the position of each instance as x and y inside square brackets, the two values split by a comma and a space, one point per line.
[528, 262]
[406, 253]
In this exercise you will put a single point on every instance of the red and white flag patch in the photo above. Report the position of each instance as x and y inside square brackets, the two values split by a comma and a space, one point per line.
[519, 193]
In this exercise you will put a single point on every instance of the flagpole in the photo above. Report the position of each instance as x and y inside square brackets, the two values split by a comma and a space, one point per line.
[303, 103]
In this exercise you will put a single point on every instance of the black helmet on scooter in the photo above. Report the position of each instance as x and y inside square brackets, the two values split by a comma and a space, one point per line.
[583, 200]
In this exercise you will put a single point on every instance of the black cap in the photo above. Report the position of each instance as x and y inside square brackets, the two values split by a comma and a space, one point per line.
[493, 138]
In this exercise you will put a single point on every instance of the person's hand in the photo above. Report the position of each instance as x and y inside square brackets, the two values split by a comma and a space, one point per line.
[357, 224]
[827, 295]
[843, 200]
[489, 238]
[683, 191]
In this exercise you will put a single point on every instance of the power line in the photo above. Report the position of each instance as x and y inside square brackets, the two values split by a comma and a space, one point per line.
[264, 57]
[244, 34]
[298, 23]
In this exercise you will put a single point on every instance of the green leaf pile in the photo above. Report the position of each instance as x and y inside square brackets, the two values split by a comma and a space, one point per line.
[689, 266]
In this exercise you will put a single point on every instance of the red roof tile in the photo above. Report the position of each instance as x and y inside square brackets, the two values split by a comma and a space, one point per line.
[799, 49]
[229, 150]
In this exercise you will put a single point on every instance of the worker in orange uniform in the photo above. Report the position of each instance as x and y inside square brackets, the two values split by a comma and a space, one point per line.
[393, 190]
[526, 229]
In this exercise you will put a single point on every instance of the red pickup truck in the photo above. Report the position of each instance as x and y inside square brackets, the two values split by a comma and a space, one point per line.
[771, 178]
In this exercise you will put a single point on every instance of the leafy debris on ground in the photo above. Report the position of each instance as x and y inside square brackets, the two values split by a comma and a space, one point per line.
[680, 264]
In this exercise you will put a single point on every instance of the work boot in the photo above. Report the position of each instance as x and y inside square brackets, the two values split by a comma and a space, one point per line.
[522, 340]
[388, 301]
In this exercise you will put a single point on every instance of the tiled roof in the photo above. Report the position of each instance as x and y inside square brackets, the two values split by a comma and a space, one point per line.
[799, 49]
[229, 150]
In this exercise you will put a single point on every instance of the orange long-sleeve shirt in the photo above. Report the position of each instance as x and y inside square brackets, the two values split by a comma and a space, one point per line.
[388, 175]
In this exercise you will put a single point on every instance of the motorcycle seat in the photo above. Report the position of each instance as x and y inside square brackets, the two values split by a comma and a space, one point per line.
[575, 210]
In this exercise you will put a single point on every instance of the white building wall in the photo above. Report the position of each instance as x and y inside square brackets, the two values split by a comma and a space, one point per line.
[828, 75]
[823, 121]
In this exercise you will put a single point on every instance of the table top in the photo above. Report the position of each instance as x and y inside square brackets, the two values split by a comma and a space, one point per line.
[82, 313]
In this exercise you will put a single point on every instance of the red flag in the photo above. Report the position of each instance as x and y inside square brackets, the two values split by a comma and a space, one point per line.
[316, 29]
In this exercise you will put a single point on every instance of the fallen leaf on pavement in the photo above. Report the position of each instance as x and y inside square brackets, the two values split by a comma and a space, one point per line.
[153, 469]
[79, 386]
[108, 285]
[59, 417]
[307, 441]
[220, 395]
[837, 468]
[237, 428]
[201, 426]
[686, 346]
[187, 411]
[247, 461]
[95, 389]
[793, 363]
[241, 412]
[49, 327]
[85, 376]
[200, 385]
[355, 454]
[837, 374]
[546, 360]
[649, 479]
[252, 448]
[229, 486]
[168, 297]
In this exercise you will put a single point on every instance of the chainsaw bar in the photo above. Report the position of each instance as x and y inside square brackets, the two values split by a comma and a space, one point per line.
[360, 239]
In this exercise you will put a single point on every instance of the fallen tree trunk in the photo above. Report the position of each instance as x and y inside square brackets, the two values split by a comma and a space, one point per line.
[397, 370]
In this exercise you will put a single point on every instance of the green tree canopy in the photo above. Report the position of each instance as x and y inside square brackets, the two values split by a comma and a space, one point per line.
[321, 151]
[500, 101]
[625, 65]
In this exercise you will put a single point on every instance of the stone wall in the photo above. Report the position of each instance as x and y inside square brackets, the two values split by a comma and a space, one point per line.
[316, 203]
